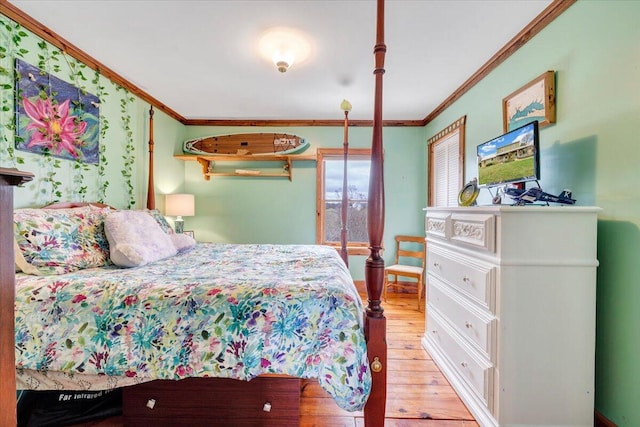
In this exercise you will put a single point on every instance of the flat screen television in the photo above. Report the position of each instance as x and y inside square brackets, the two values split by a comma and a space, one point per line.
[510, 158]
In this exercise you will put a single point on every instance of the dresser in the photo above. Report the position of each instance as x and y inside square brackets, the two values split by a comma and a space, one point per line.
[8, 179]
[511, 310]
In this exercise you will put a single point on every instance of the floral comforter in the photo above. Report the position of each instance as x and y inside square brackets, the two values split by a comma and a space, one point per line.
[219, 310]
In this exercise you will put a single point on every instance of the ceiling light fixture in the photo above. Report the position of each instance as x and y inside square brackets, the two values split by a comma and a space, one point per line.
[284, 46]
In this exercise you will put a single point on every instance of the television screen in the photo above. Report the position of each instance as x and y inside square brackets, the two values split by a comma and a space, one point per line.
[512, 157]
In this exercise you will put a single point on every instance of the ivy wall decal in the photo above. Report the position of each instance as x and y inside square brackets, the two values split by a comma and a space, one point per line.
[61, 179]
[103, 184]
[9, 40]
[129, 157]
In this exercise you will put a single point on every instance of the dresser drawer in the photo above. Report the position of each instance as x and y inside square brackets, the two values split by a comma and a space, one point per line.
[474, 279]
[475, 230]
[475, 370]
[478, 326]
[437, 225]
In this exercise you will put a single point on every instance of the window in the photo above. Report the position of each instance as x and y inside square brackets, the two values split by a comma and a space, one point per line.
[329, 198]
[446, 164]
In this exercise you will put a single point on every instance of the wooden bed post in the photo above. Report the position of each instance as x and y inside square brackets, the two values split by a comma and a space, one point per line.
[151, 192]
[8, 179]
[344, 253]
[375, 322]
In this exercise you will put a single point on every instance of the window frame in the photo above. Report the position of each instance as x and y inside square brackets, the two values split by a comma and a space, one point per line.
[353, 248]
[441, 137]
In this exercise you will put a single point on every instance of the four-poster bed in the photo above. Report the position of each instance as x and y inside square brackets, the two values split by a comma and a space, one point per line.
[373, 321]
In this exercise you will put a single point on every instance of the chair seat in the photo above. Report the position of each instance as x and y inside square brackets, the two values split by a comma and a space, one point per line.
[403, 269]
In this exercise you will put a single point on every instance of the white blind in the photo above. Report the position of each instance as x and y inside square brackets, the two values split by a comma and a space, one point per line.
[440, 165]
[446, 173]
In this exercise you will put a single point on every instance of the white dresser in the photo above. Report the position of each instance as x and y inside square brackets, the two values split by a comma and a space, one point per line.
[511, 310]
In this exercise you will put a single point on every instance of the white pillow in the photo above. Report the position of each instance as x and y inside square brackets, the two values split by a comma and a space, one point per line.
[182, 241]
[136, 239]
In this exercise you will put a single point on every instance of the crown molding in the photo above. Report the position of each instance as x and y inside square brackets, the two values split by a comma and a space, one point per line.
[542, 20]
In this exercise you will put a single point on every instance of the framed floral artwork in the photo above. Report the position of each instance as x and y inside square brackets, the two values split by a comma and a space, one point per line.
[55, 117]
[534, 101]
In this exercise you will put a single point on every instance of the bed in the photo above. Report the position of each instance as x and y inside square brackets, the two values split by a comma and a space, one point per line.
[349, 360]
[197, 311]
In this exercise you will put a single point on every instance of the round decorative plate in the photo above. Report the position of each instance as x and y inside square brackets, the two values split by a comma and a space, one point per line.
[468, 194]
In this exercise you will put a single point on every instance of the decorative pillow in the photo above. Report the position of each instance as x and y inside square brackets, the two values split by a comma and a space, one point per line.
[58, 241]
[21, 264]
[161, 220]
[182, 242]
[136, 239]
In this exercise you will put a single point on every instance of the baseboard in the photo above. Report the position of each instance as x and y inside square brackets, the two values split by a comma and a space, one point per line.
[602, 421]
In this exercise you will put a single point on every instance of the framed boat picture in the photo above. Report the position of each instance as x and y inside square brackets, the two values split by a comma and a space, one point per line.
[534, 101]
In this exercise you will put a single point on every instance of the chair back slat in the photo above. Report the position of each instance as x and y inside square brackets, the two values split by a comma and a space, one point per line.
[403, 243]
[410, 254]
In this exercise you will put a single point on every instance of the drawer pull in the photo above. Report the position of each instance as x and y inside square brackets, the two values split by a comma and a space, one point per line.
[468, 324]
[433, 331]
[151, 403]
[267, 407]
[466, 279]
[464, 364]
[435, 264]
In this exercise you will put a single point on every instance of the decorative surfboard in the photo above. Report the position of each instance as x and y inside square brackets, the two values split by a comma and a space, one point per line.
[240, 144]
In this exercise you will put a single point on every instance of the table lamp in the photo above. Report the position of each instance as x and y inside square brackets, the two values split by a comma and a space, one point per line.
[179, 205]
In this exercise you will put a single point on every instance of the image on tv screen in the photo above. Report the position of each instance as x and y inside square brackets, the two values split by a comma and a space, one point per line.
[511, 157]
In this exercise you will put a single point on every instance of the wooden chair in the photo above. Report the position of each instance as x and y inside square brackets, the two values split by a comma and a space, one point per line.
[409, 263]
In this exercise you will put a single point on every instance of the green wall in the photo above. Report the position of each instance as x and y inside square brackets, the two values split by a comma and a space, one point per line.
[276, 210]
[593, 149]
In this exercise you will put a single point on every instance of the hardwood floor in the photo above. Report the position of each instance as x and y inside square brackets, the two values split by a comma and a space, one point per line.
[418, 395]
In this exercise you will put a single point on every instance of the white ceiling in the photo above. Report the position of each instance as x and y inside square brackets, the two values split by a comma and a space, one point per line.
[201, 59]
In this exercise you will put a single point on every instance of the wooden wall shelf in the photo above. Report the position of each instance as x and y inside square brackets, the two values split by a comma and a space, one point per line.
[208, 163]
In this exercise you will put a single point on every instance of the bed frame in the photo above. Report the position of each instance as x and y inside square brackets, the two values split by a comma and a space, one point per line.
[263, 389]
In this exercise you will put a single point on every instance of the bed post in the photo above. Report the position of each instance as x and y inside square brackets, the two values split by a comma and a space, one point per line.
[8, 179]
[375, 322]
[151, 193]
[344, 253]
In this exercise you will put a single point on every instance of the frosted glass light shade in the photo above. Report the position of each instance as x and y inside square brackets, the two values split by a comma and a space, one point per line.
[284, 46]
[180, 205]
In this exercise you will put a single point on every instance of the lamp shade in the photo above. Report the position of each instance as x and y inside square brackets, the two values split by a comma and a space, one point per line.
[180, 205]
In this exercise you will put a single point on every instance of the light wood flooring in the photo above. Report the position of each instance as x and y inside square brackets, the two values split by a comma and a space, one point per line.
[418, 395]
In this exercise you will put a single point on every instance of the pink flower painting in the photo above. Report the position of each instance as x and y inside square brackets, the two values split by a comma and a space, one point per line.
[55, 117]
[53, 127]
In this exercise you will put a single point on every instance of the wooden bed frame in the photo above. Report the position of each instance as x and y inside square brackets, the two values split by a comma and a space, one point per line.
[374, 320]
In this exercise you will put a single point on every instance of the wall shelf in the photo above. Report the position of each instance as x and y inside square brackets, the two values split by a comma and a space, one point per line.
[208, 164]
